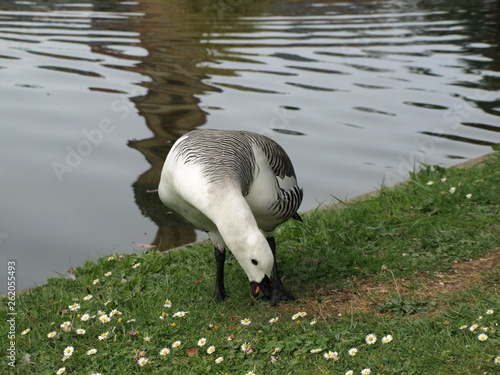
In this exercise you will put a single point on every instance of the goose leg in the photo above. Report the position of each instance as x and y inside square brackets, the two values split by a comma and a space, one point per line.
[220, 258]
[279, 292]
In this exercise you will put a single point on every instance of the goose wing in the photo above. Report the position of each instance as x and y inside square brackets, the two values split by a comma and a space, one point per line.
[288, 194]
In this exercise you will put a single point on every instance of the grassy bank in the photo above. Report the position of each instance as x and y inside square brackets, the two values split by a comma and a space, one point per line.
[397, 266]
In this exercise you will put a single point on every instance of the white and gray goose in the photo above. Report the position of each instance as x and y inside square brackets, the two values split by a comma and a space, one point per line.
[237, 186]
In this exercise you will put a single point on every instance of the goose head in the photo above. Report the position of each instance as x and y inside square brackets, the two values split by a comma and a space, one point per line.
[257, 261]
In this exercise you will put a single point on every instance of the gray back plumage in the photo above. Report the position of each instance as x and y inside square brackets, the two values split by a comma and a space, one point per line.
[229, 155]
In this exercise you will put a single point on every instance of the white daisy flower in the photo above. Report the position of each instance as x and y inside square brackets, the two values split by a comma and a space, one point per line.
[370, 339]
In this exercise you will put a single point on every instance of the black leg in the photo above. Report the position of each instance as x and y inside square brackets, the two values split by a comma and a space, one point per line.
[220, 258]
[279, 291]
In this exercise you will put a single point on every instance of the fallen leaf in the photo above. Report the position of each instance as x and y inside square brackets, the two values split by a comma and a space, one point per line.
[192, 352]
[146, 246]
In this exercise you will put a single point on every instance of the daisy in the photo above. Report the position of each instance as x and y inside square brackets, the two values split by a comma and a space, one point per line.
[104, 318]
[147, 339]
[211, 349]
[68, 351]
[489, 312]
[103, 336]
[202, 341]
[370, 339]
[110, 258]
[473, 327]
[176, 344]
[61, 371]
[115, 312]
[165, 351]
[453, 189]
[331, 355]
[313, 322]
[443, 179]
[245, 322]
[85, 317]
[273, 320]
[482, 337]
[142, 361]
[219, 360]
[109, 273]
[52, 334]
[244, 347]
[25, 331]
[430, 183]
[497, 360]
[314, 351]
[353, 351]
[386, 339]
[80, 331]
[180, 314]
[167, 303]
[250, 373]
[468, 196]
[66, 326]
[88, 297]
[91, 351]
[463, 326]
[300, 314]
[123, 281]
[350, 372]
[366, 371]
[96, 281]
[136, 265]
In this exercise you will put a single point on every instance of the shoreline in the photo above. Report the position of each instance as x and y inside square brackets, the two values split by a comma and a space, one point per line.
[466, 164]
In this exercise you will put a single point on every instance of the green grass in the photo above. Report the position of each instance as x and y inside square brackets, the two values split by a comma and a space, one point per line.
[413, 230]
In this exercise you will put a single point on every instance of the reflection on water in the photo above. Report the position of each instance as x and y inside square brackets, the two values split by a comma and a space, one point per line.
[94, 93]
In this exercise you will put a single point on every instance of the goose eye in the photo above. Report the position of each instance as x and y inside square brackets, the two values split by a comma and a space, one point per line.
[254, 261]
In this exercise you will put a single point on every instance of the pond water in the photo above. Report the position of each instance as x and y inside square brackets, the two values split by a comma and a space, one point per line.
[94, 93]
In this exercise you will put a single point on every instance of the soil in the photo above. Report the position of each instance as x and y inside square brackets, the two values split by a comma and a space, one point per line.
[364, 294]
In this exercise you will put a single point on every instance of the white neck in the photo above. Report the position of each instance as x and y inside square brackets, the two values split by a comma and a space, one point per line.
[237, 226]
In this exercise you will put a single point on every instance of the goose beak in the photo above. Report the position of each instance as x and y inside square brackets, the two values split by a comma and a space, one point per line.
[264, 286]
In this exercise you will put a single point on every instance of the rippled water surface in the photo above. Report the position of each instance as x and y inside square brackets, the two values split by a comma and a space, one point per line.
[93, 94]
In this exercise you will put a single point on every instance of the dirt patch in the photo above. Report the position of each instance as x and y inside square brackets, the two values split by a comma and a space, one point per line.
[365, 294]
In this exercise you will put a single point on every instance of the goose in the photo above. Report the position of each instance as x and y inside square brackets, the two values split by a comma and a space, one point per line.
[237, 186]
